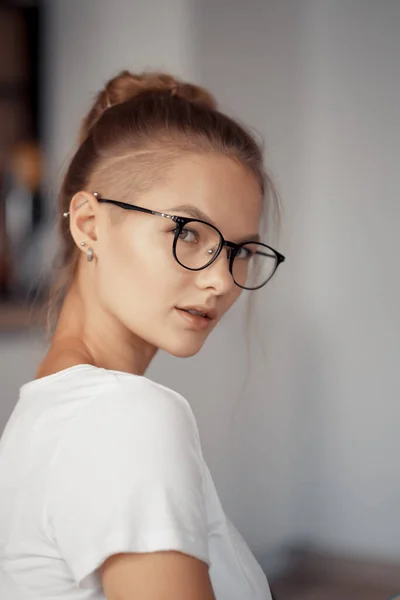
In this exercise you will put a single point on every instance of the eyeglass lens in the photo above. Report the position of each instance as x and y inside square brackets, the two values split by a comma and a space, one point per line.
[197, 244]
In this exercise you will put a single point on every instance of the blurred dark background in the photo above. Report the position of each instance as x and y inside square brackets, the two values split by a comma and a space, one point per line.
[22, 204]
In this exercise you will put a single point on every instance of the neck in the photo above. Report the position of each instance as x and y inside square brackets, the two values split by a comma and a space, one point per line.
[87, 333]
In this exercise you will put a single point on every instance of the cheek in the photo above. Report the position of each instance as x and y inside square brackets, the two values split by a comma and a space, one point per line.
[136, 265]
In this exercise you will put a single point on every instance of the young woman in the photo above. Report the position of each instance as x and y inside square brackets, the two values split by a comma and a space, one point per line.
[104, 489]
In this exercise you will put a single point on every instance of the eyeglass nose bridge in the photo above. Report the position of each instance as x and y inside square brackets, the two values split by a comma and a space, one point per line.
[213, 254]
[231, 250]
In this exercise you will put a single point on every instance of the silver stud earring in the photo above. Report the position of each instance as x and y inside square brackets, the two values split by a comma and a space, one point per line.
[82, 243]
[65, 215]
[90, 254]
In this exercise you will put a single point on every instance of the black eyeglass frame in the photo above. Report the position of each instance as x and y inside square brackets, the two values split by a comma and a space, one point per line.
[182, 222]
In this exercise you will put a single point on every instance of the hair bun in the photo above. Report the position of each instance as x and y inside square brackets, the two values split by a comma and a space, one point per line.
[126, 86]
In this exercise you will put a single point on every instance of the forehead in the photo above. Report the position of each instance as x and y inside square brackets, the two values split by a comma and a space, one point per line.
[217, 185]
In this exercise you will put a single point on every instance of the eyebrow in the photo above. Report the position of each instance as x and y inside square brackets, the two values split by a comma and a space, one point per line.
[193, 211]
[196, 213]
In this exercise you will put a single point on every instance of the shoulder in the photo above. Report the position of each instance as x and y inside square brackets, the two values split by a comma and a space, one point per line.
[85, 390]
[122, 396]
[133, 431]
[126, 413]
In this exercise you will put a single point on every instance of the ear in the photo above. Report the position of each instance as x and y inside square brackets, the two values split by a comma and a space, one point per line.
[83, 212]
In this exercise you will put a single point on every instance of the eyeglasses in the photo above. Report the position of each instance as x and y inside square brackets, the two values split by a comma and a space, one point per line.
[197, 244]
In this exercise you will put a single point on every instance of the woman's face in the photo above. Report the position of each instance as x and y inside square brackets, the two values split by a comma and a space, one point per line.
[137, 277]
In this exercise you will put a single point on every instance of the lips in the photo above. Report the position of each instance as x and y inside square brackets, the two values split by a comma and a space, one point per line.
[200, 311]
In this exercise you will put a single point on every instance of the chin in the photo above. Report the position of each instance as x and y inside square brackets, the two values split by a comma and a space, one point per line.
[184, 350]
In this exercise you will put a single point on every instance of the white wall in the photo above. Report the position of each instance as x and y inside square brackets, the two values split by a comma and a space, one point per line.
[353, 277]
[312, 451]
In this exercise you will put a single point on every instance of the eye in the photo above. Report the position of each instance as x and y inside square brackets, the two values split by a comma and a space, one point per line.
[244, 253]
[186, 235]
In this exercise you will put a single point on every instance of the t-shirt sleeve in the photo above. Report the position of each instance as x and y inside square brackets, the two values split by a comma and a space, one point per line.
[127, 477]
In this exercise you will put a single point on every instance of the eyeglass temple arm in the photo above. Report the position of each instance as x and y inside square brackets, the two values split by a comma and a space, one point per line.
[127, 206]
[176, 219]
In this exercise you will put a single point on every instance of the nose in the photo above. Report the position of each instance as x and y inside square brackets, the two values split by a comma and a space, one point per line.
[217, 275]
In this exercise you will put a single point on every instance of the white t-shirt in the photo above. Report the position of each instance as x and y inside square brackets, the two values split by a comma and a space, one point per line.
[96, 462]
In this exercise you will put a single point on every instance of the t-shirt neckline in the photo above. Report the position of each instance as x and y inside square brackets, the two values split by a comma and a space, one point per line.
[47, 378]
